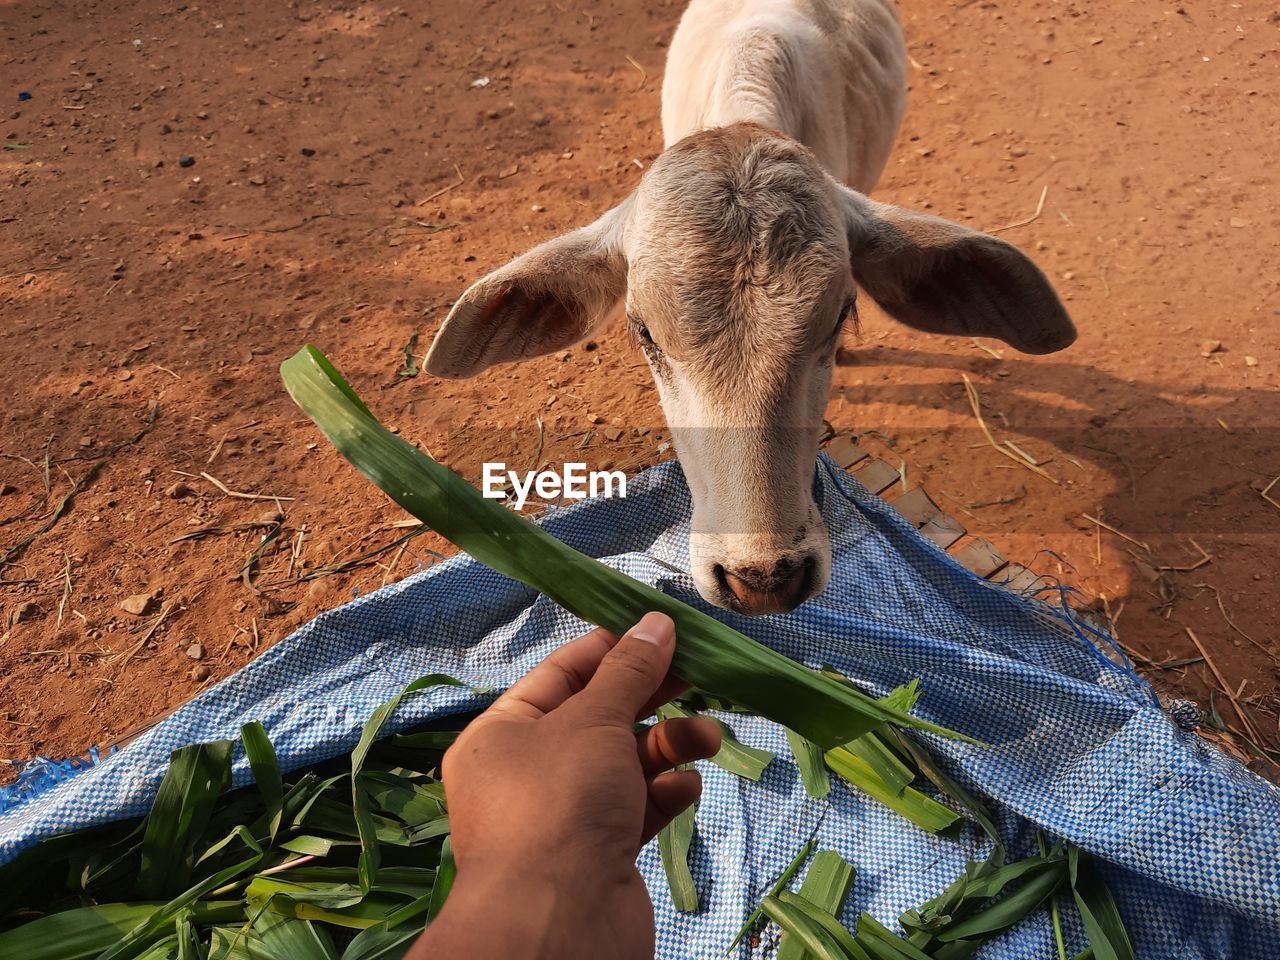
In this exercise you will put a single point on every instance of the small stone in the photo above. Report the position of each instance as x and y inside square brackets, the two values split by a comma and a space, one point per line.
[258, 180]
[1018, 151]
[125, 375]
[195, 651]
[274, 515]
[186, 161]
[1210, 347]
[140, 604]
[1248, 362]
[86, 442]
[538, 208]
[23, 612]
[178, 491]
[613, 433]
[1239, 222]
[308, 152]
[202, 115]
[166, 129]
[201, 672]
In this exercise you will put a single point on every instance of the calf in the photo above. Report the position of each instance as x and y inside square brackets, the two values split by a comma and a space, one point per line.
[739, 257]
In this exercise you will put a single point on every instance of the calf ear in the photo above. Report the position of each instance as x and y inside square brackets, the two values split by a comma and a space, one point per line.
[940, 277]
[545, 300]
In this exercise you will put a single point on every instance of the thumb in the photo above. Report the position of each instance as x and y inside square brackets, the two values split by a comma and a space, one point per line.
[632, 671]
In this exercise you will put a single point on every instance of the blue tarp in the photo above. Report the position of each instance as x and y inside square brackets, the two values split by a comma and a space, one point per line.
[1073, 742]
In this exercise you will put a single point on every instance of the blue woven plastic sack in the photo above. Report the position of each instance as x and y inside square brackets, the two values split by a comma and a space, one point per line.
[1073, 742]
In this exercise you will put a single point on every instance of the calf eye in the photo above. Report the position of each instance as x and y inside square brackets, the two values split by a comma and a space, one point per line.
[642, 335]
[849, 315]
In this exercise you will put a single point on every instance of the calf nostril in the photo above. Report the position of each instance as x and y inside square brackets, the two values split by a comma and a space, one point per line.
[722, 580]
[793, 588]
[778, 590]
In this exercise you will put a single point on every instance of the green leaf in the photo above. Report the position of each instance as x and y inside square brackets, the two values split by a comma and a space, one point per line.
[881, 942]
[266, 771]
[303, 797]
[1012, 908]
[825, 919]
[1107, 935]
[308, 845]
[188, 943]
[366, 826]
[778, 885]
[166, 949]
[828, 881]
[117, 862]
[987, 883]
[74, 934]
[420, 876]
[381, 943]
[813, 771]
[427, 740]
[926, 764]
[343, 905]
[272, 937]
[446, 873]
[674, 841]
[184, 802]
[886, 765]
[903, 697]
[825, 889]
[411, 803]
[734, 756]
[147, 931]
[287, 939]
[815, 939]
[922, 810]
[329, 816]
[710, 654]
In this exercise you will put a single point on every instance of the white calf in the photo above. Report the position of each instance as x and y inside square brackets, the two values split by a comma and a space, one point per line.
[739, 256]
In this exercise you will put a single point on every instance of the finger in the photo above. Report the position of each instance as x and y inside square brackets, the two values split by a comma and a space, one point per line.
[564, 672]
[631, 672]
[668, 690]
[669, 744]
[669, 794]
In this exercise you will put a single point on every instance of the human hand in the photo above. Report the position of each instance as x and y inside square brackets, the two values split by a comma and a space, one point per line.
[551, 796]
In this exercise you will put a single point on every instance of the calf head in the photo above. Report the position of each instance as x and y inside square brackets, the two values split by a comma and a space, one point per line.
[739, 260]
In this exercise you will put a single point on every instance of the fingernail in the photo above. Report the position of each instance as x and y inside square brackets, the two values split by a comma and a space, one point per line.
[656, 628]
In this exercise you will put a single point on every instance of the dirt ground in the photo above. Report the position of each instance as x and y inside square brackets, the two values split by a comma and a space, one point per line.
[352, 166]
